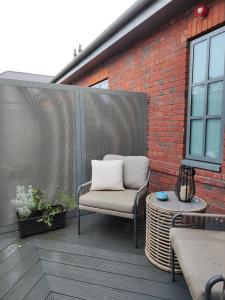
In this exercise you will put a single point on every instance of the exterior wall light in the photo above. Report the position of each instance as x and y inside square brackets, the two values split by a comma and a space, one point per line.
[201, 10]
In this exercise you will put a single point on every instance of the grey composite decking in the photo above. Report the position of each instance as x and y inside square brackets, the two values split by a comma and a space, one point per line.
[99, 264]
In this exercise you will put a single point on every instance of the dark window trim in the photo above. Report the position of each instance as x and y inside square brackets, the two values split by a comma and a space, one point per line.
[202, 165]
[95, 85]
[202, 161]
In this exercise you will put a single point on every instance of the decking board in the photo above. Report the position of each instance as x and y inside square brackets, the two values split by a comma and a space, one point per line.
[50, 297]
[6, 241]
[95, 263]
[26, 283]
[85, 290]
[115, 281]
[8, 281]
[40, 291]
[63, 266]
[63, 297]
[15, 258]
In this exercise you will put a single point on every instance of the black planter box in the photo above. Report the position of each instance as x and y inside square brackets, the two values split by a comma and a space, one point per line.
[31, 225]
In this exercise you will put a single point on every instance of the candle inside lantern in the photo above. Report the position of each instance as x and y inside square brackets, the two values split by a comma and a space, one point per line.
[184, 193]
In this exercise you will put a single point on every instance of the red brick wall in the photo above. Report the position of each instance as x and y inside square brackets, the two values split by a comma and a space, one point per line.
[158, 65]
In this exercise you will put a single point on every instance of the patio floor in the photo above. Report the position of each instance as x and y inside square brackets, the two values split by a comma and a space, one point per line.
[100, 264]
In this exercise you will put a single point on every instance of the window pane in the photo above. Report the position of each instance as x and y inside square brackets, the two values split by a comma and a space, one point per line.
[196, 138]
[199, 62]
[215, 98]
[197, 105]
[213, 138]
[101, 85]
[217, 54]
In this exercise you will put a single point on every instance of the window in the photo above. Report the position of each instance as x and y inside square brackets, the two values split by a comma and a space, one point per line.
[205, 124]
[104, 84]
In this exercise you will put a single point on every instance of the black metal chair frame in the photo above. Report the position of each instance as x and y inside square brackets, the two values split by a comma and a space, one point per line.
[203, 218]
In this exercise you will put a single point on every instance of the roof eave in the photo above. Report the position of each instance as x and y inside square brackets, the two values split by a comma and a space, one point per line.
[142, 16]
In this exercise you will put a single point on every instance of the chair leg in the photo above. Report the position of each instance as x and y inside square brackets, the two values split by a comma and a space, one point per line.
[78, 227]
[172, 264]
[135, 229]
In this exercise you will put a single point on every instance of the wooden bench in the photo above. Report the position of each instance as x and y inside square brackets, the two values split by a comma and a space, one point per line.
[200, 252]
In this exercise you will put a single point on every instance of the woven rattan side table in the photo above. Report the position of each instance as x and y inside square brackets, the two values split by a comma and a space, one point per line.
[158, 221]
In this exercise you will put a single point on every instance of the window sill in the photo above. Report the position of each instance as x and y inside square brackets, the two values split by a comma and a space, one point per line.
[202, 165]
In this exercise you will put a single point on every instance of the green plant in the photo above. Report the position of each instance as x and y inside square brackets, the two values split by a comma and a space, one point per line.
[49, 213]
[66, 200]
[42, 204]
[24, 202]
[63, 201]
[40, 198]
[30, 199]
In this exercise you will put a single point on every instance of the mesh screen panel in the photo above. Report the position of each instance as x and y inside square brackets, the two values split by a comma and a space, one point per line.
[114, 123]
[50, 133]
[37, 136]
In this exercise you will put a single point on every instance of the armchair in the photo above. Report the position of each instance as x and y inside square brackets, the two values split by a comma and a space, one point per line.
[198, 240]
[118, 203]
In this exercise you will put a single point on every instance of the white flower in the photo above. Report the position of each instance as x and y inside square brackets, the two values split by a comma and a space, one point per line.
[24, 202]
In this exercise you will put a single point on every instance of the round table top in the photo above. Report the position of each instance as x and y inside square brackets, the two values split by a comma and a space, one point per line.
[173, 204]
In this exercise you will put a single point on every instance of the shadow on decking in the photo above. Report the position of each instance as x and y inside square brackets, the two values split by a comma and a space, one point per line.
[102, 263]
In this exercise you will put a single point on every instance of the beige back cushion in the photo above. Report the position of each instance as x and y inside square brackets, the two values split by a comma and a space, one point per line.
[135, 169]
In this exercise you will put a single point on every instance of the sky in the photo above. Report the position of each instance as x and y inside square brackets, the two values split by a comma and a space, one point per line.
[39, 36]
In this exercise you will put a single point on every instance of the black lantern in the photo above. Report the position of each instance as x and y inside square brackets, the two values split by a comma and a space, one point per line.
[185, 186]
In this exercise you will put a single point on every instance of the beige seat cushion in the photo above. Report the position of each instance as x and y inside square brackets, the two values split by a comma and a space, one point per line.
[135, 169]
[121, 201]
[201, 254]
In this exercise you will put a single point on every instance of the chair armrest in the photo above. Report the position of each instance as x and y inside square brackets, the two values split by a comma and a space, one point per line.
[144, 186]
[83, 188]
[211, 282]
[199, 220]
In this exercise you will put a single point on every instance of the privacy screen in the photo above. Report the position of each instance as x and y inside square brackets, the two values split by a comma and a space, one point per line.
[114, 123]
[50, 133]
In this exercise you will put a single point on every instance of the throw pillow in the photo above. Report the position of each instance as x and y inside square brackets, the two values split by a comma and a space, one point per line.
[107, 175]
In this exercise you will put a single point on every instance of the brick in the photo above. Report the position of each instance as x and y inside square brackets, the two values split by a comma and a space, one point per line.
[221, 12]
[210, 18]
[215, 15]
